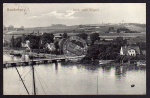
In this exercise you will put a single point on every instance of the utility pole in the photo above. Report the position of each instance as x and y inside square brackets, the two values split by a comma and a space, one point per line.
[97, 85]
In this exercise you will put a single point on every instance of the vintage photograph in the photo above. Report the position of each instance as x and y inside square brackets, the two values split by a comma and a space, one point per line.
[74, 48]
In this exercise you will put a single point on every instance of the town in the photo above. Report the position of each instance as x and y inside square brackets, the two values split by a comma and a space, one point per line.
[120, 49]
[74, 48]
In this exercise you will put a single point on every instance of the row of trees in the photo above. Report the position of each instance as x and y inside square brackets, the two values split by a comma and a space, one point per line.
[93, 37]
[111, 51]
[106, 52]
[11, 27]
[36, 42]
[119, 30]
[39, 41]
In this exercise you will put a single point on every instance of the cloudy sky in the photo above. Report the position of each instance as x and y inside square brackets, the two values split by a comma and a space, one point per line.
[38, 15]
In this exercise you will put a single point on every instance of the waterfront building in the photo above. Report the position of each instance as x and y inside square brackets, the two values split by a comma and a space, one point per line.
[26, 44]
[130, 50]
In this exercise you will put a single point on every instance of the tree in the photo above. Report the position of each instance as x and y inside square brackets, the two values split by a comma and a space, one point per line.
[120, 41]
[11, 27]
[57, 47]
[142, 45]
[17, 42]
[94, 37]
[82, 35]
[65, 35]
[111, 29]
[92, 52]
[47, 38]
[34, 44]
[118, 30]
[34, 41]
[23, 38]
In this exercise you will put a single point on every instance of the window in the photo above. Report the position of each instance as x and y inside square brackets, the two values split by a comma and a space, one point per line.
[131, 52]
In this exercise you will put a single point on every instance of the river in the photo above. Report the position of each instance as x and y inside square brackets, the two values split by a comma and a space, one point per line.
[75, 79]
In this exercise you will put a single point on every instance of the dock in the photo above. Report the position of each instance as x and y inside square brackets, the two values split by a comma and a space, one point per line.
[42, 58]
[12, 52]
[33, 62]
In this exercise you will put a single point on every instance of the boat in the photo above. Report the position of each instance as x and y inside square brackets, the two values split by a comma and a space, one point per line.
[141, 63]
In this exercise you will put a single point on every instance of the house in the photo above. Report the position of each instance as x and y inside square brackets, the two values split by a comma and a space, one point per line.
[26, 44]
[130, 50]
[50, 47]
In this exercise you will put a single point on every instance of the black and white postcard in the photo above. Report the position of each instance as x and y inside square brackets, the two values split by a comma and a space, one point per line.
[74, 49]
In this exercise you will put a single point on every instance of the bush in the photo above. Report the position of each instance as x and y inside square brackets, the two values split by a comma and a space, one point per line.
[94, 37]
[82, 35]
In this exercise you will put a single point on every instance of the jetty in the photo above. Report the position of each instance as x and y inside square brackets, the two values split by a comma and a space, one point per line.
[32, 62]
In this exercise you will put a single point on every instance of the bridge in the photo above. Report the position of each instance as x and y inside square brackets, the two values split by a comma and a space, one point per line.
[22, 52]
[42, 58]
[32, 62]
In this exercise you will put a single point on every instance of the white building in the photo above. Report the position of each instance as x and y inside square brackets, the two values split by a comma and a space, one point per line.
[26, 44]
[130, 50]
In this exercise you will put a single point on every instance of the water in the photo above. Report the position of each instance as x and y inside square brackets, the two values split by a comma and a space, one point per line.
[75, 79]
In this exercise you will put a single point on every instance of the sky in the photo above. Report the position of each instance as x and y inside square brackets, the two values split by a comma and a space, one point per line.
[46, 14]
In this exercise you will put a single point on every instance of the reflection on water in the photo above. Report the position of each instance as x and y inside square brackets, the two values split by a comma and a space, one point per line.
[7, 57]
[106, 69]
[76, 79]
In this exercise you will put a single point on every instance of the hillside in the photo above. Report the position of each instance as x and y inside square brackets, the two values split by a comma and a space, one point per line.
[102, 28]
[99, 28]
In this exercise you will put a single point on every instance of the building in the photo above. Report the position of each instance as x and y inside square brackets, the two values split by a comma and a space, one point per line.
[50, 46]
[130, 50]
[26, 45]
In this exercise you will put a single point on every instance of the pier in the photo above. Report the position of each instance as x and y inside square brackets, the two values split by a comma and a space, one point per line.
[33, 62]
[42, 58]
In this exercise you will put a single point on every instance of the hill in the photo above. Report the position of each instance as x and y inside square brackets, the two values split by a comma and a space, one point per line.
[88, 28]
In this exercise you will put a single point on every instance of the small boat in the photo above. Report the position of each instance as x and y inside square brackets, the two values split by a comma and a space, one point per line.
[141, 63]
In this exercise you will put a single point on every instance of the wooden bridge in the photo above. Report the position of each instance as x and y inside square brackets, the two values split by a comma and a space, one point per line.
[12, 52]
[32, 62]
[48, 58]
